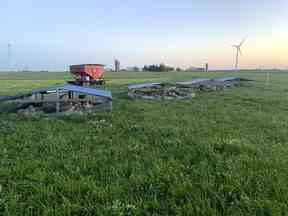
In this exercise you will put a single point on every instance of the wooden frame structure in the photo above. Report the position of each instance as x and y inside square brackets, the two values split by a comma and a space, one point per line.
[67, 98]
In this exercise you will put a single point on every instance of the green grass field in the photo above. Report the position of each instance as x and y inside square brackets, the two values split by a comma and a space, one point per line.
[221, 153]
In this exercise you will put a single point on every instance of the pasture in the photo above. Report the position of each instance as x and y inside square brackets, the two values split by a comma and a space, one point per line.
[220, 153]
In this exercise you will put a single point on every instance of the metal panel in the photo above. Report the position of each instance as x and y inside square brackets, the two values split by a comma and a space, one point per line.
[74, 88]
[86, 90]
[228, 79]
[7, 98]
[194, 81]
[48, 89]
[144, 85]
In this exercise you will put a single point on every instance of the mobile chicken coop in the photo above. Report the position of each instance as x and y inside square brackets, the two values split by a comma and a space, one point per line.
[64, 98]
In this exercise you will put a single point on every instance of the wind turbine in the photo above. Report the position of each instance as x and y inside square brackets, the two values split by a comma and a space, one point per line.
[9, 55]
[10, 64]
[238, 51]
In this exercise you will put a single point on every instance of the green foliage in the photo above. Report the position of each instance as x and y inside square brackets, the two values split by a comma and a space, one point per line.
[221, 153]
[158, 68]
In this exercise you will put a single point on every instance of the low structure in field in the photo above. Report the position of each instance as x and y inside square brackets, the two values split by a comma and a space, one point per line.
[64, 98]
[154, 91]
[185, 89]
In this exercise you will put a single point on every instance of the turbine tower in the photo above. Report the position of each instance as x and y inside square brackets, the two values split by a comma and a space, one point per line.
[238, 51]
[10, 55]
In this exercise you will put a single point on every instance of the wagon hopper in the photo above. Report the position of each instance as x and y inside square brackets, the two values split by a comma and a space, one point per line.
[87, 74]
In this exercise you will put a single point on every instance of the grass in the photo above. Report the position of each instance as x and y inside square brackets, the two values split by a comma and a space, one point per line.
[221, 153]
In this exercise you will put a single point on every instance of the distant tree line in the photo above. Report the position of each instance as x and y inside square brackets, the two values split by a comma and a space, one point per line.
[158, 68]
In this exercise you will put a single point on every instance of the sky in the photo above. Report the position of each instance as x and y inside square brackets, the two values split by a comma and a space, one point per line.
[57, 33]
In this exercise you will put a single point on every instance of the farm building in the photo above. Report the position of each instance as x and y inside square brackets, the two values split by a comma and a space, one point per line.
[64, 98]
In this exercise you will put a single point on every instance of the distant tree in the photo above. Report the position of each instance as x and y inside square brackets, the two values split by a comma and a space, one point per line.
[178, 69]
[162, 67]
[170, 69]
[157, 68]
[136, 69]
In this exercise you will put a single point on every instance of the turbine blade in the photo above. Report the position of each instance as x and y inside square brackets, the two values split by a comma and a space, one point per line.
[243, 40]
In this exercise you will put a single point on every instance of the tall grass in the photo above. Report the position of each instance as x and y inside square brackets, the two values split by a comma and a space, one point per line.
[221, 153]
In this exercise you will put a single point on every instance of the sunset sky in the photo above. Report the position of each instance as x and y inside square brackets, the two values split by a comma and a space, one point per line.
[56, 33]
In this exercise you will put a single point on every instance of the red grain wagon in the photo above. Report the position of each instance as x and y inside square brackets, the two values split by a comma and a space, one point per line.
[87, 74]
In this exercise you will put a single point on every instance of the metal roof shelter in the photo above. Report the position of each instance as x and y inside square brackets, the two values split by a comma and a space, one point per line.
[74, 88]
[65, 97]
[194, 81]
[143, 85]
[5, 98]
[15, 97]
[230, 79]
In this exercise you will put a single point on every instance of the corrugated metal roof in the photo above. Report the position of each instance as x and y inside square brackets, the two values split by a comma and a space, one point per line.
[194, 81]
[91, 91]
[143, 85]
[74, 88]
[7, 98]
[228, 79]
[4, 98]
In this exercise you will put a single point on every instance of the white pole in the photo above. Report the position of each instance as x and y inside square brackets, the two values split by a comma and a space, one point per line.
[237, 59]
[9, 57]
